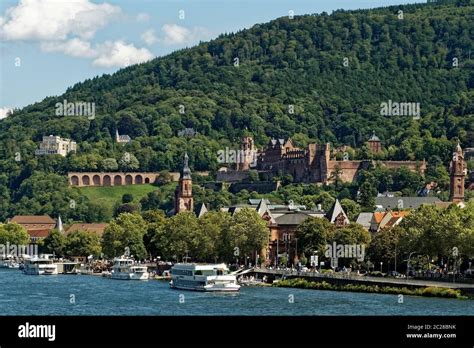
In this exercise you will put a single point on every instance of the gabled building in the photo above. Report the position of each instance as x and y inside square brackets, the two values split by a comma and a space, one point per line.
[374, 222]
[122, 138]
[337, 215]
[202, 210]
[37, 226]
[283, 221]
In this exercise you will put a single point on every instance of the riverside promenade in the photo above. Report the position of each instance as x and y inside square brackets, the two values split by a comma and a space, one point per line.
[347, 278]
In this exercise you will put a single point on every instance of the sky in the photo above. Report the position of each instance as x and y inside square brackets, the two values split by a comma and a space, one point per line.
[47, 46]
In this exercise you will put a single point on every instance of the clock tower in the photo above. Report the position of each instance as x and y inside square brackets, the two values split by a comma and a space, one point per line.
[184, 192]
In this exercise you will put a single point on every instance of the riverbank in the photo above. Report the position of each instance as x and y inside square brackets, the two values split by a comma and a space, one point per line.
[429, 291]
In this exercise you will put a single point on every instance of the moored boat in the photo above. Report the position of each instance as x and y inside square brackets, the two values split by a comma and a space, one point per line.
[127, 269]
[9, 262]
[203, 277]
[40, 266]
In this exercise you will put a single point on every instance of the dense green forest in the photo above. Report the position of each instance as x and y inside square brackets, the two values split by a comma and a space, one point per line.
[315, 78]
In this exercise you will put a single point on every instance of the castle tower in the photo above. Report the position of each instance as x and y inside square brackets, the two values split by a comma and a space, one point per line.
[247, 153]
[184, 192]
[374, 144]
[457, 172]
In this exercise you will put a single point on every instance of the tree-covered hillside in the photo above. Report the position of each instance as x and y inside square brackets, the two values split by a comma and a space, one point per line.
[316, 78]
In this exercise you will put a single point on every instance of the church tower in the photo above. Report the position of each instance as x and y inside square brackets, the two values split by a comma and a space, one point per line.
[184, 192]
[457, 172]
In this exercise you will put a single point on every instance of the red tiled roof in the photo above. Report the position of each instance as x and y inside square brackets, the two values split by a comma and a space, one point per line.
[378, 216]
[398, 214]
[98, 228]
[38, 233]
[33, 219]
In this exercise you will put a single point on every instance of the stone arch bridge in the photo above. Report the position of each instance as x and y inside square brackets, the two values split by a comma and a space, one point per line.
[113, 179]
[81, 179]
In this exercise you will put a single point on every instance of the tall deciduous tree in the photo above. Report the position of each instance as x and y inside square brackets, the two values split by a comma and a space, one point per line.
[181, 237]
[14, 234]
[82, 243]
[385, 246]
[125, 233]
[248, 233]
[55, 243]
[214, 226]
[314, 233]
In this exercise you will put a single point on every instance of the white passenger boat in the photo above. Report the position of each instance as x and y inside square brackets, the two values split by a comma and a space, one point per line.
[200, 277]
[127, 269]
[40, 266]
[9, 262]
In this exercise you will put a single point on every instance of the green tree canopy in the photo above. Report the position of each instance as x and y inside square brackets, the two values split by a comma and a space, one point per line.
[14, 234]
[125, 233]
[82, 243]
[55, 243]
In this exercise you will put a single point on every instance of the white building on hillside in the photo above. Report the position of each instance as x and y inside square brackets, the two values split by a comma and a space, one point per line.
[122, 138]
[55, 145]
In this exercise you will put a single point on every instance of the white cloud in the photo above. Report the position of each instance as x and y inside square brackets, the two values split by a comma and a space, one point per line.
[120, 54]
[143, 17]
[74, 47]
[107, 55]
[175, 34]
[149, 37]
[4, 112]
[52, 20]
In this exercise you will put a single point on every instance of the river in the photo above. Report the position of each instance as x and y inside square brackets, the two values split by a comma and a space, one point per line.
[89, 295]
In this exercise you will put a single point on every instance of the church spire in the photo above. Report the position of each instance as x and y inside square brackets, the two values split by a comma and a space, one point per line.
[186, 172]
[458, 148]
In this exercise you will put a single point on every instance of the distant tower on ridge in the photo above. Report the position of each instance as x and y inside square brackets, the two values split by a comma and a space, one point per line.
[374, 144]
[247, 154]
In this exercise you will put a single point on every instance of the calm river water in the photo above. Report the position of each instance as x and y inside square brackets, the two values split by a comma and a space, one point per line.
[52, 295]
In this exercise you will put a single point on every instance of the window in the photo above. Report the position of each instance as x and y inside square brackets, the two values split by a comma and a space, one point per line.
[182, 272]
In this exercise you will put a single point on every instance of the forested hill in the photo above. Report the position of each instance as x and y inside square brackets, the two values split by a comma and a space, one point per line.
[334, 70]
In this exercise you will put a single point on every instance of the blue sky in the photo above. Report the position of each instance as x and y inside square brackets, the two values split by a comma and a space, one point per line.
[49, 45]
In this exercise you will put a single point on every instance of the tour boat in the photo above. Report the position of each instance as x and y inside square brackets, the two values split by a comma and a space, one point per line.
[127, 269]
[40, 266]
[200, 277]
[9, 262]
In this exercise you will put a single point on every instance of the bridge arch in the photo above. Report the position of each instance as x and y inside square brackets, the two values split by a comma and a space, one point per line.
[96, 180]
[86, 180]
[138, 179]
[106, 181]
[128, 179]
[117, 180]
[74, 180]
